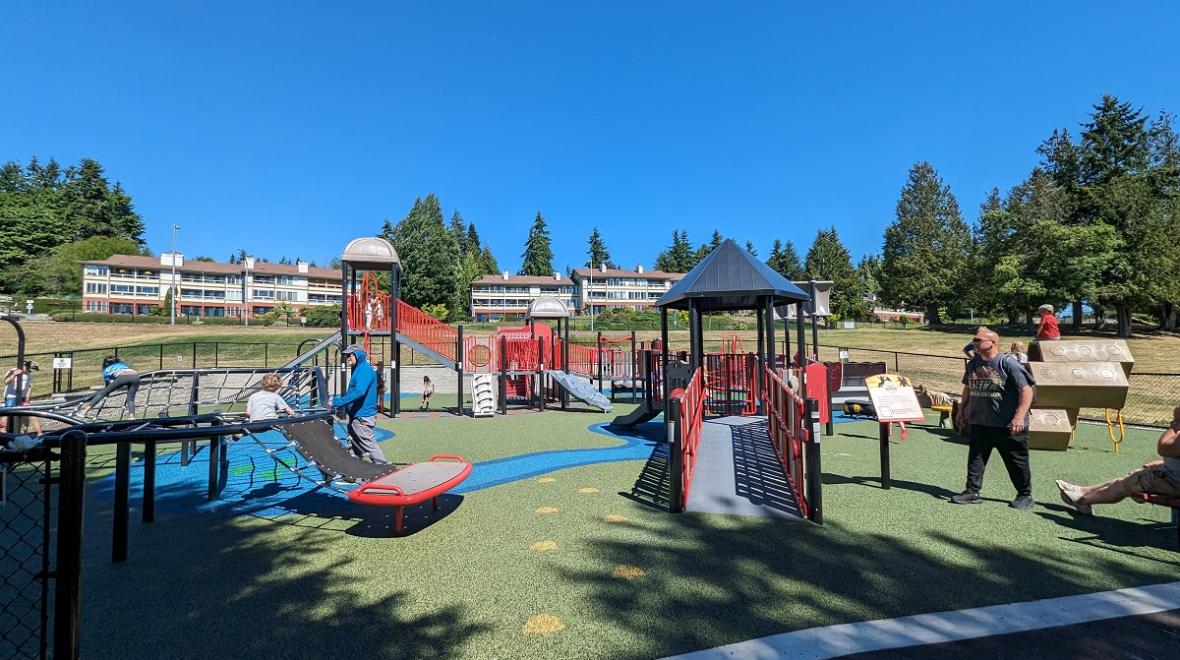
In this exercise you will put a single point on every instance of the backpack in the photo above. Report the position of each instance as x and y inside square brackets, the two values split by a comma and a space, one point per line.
[1010, 363]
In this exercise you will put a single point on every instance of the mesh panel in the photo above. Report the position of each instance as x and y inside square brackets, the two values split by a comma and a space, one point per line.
[24, 558]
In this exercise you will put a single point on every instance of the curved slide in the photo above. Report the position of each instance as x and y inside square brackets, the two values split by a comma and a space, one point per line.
[641, 414]
[582, 389]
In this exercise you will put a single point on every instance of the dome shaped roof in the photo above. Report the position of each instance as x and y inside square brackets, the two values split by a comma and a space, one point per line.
[370, 253]
[547, 307]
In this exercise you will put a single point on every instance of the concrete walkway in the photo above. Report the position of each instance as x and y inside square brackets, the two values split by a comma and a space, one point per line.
[738, 472]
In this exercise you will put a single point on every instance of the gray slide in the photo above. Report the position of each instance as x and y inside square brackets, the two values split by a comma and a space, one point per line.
[582, 389]
[641, 414]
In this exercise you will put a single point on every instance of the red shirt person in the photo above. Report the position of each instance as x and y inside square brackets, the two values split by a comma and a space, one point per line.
[1048, 330]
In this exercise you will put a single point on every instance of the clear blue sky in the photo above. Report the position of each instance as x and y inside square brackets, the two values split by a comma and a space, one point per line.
[288, 128]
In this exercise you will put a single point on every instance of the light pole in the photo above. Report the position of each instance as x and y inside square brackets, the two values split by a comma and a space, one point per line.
[172, 285]
[590, 293]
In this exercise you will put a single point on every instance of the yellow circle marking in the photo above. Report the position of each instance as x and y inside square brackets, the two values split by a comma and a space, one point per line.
[546, 480]
[627, 572]
[547, 509]
[544, 546]
[587, 490]
[543, 624]
[615, 518]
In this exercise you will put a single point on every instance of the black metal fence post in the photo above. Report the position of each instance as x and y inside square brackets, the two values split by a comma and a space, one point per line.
[815, 497]
[674, 429]
[67, 610]
[503, 375]
[459, 368]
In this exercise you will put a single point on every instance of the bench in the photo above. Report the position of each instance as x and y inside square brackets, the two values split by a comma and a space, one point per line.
[1162, 500]
[413, 484]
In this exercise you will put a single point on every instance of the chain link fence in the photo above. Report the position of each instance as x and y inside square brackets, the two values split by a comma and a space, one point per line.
[25, 523]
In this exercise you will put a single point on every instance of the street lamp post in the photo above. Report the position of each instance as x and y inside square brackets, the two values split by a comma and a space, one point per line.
[590, 293]
[172, 286]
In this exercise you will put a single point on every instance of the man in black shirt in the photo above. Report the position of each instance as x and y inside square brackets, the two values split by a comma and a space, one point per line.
[997, 394]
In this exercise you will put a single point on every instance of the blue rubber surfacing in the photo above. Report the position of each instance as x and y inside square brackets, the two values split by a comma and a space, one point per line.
[256, 485]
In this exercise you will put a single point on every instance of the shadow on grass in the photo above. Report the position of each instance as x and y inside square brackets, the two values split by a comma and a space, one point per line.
[764, 576]
[653, 487]
[934, 491]
[210, 587]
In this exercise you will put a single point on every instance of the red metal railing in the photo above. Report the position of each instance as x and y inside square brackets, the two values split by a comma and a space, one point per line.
[787, 428]
[583, 359]
[426, 330]
[690, 404]
[731, 383]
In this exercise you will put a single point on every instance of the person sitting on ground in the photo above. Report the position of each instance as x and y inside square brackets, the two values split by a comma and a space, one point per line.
[265, 403]
[1048, 330]
[116, 374]
[1017, 351]
[427, 392]
[1160, 477]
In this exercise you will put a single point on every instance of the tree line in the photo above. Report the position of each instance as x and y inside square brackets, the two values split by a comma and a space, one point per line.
[52, 217]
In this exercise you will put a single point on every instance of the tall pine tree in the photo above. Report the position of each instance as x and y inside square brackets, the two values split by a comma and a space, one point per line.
[597, 254]
[784, 260]
[428, 253]
[828, 259]
[926, 247]
[537, 258]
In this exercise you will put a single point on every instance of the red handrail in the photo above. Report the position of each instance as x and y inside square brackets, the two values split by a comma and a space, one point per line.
[786, 427]
[692, 413]
[426, 330]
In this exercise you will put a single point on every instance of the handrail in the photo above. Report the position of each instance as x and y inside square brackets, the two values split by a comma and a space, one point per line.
[426, 330]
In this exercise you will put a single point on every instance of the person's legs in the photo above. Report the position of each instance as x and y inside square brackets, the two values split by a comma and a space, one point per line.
[1014, 451]
[978, 451]
[98, 396]
[363, 440]
[132, 385]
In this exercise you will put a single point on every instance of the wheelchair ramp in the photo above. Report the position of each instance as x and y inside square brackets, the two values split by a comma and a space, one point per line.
[738, 473]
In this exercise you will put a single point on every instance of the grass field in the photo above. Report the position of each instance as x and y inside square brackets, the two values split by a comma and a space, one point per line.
[570, 566]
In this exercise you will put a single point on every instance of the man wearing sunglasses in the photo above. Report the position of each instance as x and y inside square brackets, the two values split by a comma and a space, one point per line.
[997, 394]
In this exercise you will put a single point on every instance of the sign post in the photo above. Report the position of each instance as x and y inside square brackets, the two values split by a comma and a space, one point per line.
[894, 400]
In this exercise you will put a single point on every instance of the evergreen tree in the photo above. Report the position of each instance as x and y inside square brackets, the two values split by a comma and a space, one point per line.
[868, 275]
[828, 259]
[537, 258]
[459, 233]
[428, 254]
[474, 246]
[750, 248]
[784, 260]
[926, 248]
[490, 267]
[597, 253]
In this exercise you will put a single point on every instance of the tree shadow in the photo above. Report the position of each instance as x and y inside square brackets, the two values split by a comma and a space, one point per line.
[762, 576]
[938, 492]
[210, 586]
[653, 487]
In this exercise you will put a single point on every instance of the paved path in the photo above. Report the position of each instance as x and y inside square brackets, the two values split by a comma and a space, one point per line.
[738, 473]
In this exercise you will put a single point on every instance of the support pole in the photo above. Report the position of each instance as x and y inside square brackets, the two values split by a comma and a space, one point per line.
[539, 391]
[674, 424]
[67, 608]
[395, 377]
[772, 362]
[884, 434]
[598, 353]
[634, 366]
[149, 481]
[565, 359]
[815, 498]
[694, 325]
[503, 375]
[762, 363]
[459, 367]
[122, 493]
[214, 465]
[814, 321]
[663, 366]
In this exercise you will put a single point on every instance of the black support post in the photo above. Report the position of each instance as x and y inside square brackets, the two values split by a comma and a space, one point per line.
[122, 489]
[503, 375]
[883, 431]
[67, 608]
[815, 484]
[664, 354]
[814, 320]
[149, 481]
[459, 368]
[634, 366]
[214, 465]
[598, 353]
[674, 426]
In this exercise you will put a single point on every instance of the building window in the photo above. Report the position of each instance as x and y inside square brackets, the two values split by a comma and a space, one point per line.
[264, 294]
[96, 305]
[94, 271]
[96, 287]
[259, 311]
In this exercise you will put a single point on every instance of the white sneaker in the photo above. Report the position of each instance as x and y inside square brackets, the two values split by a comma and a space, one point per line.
[1070, 494]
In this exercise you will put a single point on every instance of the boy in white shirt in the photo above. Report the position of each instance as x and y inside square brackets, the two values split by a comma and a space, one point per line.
[265, 403]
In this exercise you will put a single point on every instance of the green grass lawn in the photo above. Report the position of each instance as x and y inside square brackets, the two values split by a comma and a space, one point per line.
[568, 566]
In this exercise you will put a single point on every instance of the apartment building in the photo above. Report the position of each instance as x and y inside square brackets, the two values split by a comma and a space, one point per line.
[132, 284]
[601, 289]
[495, 296]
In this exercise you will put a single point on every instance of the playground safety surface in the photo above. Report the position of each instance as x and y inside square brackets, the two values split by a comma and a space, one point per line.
[569, 563]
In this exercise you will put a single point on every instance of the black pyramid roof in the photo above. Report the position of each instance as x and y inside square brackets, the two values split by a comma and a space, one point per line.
[729, 279]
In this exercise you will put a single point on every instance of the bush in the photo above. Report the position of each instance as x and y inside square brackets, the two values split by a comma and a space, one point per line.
[96, 317]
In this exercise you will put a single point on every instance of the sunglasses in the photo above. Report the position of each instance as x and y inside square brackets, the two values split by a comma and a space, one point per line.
[976, 340]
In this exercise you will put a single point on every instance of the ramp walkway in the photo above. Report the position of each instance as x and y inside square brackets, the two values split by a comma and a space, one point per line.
[738, 473]
[582, 390]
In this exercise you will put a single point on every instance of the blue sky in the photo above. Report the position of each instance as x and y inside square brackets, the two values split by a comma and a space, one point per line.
[288, 128]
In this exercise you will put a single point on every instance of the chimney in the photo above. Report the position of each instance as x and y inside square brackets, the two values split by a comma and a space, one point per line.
[249, 263]
[506, 275]
[602, 267]
[166, 259]
[556, 275]
[639, 269]
[301, 266]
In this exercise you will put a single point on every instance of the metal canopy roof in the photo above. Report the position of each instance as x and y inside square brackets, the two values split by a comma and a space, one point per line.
[370, 253]
[729, 279]
[547, 307]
